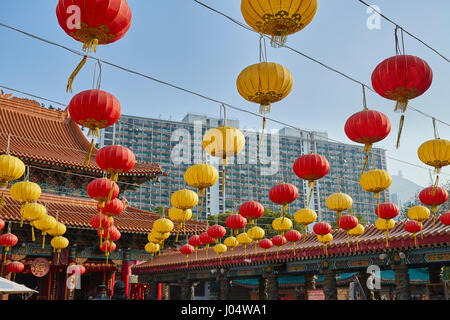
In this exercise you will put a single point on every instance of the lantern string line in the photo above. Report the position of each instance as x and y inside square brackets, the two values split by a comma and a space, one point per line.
[408, 33]
[198, 94]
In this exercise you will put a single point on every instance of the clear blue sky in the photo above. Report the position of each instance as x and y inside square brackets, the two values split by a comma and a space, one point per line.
[181, 42]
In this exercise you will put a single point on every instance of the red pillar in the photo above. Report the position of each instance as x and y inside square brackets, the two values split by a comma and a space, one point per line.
[159, 291]
[125, 276]
[113, 280]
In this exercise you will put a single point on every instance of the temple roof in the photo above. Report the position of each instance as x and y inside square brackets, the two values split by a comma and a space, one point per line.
[77, 213]
[50, 137]
[307, 248]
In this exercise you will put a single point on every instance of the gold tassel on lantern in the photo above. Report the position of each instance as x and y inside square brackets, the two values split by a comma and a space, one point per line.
[75, 73]
[402, 120]
[311, 186]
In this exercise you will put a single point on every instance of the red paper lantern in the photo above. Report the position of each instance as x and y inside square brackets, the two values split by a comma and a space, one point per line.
[2, 224]
[293, 236]
[278, 241]
[195, 241]
[401, 78]
[433, 196]
[283, 194]
[105, 222]
[108, 246]
[187, 249]
[94, 109]
[206, 238]
[236, 222]
[387, 211]
[251, 210]
[311, 167]
[347, 222]
[8, 240]
[113, 208]
[322, 228]
[99, 189]
[413, 227]
[216, 232]
[367, 127]
[115, 160]
[114, 233]
[99, 22]
[15, 267]
[445, 218]
[265, 244]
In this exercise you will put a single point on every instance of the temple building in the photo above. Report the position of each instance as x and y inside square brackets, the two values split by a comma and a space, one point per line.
[53, 149]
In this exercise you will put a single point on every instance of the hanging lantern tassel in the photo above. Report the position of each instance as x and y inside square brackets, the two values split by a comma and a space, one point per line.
[278, 248]
[348, 240]
[245, 251]
[21, 216]
[263, 127]
[415, 240]
[293, 245]
[202, 194]
[402, 120]
[325, 248]
[59, 251]
[88, 156]
[357, 243]
[187, 260]
[421, 230]
[256, 247]
[220, 259]
[207, 247]
[311, 185]
[43, 239]
[75, 73]
[196, 253]
[284, 209]
[224, 164]
[367, 148]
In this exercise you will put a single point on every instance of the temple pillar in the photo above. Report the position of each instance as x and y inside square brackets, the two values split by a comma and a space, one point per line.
[329, 283]
[310, 284]
[402, 289]
[435, 273]
[272, 286]
[224, 287]
[262, 288]
[187, 290]
[125, 275]
[153, 292]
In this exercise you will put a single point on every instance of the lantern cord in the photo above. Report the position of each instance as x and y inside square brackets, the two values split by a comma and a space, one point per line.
[93, 77]
[310, 194]
[436, 133]
[75, 73]
[99, 79]
[364, 97]
[397, 43]
[402, 120]
[262, 49]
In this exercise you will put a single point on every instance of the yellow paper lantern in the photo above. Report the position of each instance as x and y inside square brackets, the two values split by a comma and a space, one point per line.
[339, 202]
[176, 215]
[305, 217]
[58, 243]
[58, 229]
[278, 18]
[223, 142]
[325, 239]
[163, 225]
[282, 224]
[435, 153]
[25, 191]
[201, 176]
[264, 83]
[31, 212]
[385, 225]
[244, 240]
[184, 199]
[375, 181]
[152, 238]
[419, 214]
[152, 248]
[220, 249]
[256, 233]
[45, 224]
[11, 168]
[356, 232]
[231, 242]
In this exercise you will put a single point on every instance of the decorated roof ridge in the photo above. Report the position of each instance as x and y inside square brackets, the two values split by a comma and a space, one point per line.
[372, 239]
[50, 136]
[77, 213]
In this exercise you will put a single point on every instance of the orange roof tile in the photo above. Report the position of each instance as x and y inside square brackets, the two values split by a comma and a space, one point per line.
[77, 213]
[372, 239]
[49, 136]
